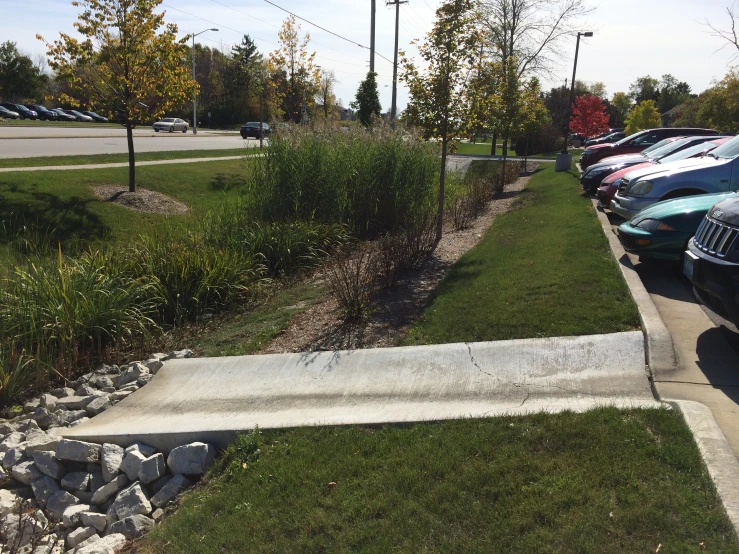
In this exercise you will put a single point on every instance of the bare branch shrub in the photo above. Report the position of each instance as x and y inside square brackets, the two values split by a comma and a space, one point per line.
[352, 277]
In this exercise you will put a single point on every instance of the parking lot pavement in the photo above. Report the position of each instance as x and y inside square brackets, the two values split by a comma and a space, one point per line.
[706, 346]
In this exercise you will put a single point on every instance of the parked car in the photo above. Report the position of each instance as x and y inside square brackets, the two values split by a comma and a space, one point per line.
[251, 129]
[636, 143]
[42, 112]
[170, 124]
[21, 110]
[8, 114]
[611, 137]
[717, 171]
[609, 185]
[594, 175]
[79, 116]
[96, 117]
[63, 115]
[711, 261]
[662, 230]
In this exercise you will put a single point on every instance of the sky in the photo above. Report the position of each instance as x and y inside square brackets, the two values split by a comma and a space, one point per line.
[632, 38]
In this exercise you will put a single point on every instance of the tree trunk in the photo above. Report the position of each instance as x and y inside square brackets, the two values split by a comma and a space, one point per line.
[131, 159]
[442, 176]
[495, 139]
[505, 160]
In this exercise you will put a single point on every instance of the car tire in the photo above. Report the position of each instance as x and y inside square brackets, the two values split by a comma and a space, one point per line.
[171, 129]
[184, 130]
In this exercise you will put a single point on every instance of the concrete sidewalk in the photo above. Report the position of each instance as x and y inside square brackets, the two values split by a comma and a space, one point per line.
[212, 399]
[117, 164]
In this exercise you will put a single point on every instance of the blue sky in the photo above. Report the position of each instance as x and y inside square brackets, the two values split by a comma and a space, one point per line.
[632, 37]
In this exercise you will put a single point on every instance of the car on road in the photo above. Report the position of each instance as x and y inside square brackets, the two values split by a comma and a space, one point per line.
[171, 124]
[79, 116]
[711, 261]
[8, 114]
[63, 115]
[96, 117]
[251, 129]
[43, 113]
[717, 171]
[593, 176]
[662, 230]
[21, 110]
[637, 143]
[609, 186]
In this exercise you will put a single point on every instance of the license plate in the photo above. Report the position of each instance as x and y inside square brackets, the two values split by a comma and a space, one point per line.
[690, 263]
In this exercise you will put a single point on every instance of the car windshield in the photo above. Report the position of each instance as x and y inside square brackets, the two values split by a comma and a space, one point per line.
[727, 150]
[252, 124]
[689, 152]
[168, 120]
[669, 148]
[75, 112]
[647, 152]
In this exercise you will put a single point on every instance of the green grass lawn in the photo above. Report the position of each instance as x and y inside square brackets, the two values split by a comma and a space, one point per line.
[603, 481]
[542, 270]
[478, 149]
[40, 123]
[63, 205]
[119, 158]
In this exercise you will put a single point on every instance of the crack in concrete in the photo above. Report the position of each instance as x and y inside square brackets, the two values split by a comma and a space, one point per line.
[474, 363]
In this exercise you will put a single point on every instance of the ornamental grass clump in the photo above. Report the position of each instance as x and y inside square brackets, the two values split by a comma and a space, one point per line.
[374, 181]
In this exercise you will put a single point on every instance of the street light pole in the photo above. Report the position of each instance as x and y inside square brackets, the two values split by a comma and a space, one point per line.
[564, 160]
[195, 94]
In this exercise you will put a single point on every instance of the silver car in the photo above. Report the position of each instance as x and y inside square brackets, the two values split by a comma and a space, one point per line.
[717, 171]
[170, 124]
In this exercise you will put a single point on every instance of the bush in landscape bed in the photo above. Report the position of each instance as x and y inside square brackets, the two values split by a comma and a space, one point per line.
[374, 181]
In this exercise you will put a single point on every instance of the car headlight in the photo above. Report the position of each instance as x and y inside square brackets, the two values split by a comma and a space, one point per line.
[640, 188]
[653, 225]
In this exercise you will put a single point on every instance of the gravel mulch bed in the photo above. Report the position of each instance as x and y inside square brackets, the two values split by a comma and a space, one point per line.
[322, 328]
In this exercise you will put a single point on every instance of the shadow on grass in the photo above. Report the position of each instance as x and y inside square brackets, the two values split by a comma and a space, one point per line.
[227, 181]
[56, 220]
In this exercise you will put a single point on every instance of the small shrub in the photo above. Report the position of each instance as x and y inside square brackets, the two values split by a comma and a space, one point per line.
[352, 277]
[15, 374]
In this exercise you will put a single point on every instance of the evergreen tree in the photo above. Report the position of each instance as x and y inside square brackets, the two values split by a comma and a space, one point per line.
[367, 103]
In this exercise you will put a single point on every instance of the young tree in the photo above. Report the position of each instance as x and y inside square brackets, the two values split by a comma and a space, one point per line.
[589, 116]
[622, 102]
[643, 116]
[367, 102]
[128, 63]
[296, 75]
[326, 96]
[438, 89]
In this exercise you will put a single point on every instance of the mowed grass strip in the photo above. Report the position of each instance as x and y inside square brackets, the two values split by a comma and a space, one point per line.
[46, 161]
[602, 481]
[61, 206]
[542, 270]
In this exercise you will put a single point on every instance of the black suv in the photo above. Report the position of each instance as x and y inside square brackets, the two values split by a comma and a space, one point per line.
[43, 113]
[251, 129]
[20, 109]
[712, 259]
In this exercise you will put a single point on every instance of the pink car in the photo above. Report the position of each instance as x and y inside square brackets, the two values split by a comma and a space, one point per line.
[609, 185]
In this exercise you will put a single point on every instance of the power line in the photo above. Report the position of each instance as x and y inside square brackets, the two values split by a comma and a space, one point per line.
[244, 13]
[324, 29]
[421, 19]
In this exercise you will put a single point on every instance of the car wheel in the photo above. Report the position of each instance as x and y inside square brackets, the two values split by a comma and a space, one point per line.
[184, 130]
[171, 129]
[156, 130]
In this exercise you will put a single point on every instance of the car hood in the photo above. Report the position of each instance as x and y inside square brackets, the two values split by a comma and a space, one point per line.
[600, 146]
[727, 210]
[621, 172]
[661, 170]
[687, 208]
[614, 162]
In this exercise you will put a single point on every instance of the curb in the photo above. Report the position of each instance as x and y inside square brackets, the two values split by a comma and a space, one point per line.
[660, 351]
[114, 165]
[716, 452]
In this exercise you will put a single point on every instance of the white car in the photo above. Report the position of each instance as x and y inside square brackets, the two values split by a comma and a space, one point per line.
[170, 124]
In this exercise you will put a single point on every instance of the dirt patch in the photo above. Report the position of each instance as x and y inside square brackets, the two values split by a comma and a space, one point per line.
[142, 200]
[394, 310]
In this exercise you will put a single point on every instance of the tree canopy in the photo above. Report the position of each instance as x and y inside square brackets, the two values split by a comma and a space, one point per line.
[589, 117]
[643, 116]
[367, 102]
[20, 79]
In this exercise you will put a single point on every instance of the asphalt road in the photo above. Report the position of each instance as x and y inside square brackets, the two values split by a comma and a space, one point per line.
[31, 142]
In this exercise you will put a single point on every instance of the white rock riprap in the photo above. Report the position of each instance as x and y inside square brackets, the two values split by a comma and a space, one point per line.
[81, 497]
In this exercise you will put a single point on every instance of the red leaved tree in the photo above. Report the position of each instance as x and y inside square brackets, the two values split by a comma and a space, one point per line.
[589, 116]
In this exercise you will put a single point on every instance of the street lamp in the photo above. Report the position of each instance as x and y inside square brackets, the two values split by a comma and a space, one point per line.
[195, 94]
[564, 160]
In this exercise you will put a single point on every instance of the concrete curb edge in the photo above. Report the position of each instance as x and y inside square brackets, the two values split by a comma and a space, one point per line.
[660, 351]
[717, 454]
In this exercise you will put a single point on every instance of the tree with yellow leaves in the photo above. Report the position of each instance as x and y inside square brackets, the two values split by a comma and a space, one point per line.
[128, 63]
[295, 78]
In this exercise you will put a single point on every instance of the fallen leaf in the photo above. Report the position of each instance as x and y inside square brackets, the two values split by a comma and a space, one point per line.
[658, 547]
[331, 485]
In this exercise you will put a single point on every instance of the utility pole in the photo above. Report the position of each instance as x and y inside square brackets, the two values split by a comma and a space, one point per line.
[394, 109]
[372, 37]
